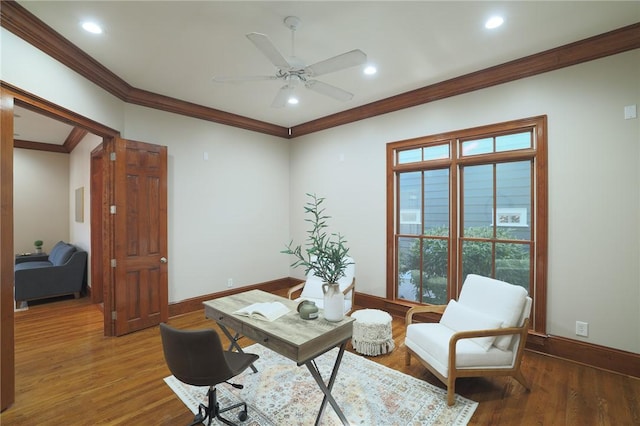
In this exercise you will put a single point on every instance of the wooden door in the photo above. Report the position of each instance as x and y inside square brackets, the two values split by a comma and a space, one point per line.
[97, 206]
[7, 259]
[140, 239]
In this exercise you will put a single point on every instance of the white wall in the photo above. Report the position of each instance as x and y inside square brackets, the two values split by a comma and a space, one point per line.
[594, 202]
[40, 199]
[228, 215]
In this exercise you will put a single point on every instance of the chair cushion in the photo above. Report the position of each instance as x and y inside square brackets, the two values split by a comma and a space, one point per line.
[313, 285]
[460, 318]
[33, 265]
[312, 288]
[61, 253]
[430, 341]
[496, 298]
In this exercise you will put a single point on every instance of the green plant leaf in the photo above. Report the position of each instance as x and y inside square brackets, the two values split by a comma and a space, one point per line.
[325, 255]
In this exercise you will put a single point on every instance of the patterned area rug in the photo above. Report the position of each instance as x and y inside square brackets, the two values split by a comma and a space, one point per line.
[369, 394]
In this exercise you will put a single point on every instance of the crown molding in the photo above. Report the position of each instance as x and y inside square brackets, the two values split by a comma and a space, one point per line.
[166, 103]
[611, 43]
[19, 21]
[39, 146]
[25, 25]
[74, 138]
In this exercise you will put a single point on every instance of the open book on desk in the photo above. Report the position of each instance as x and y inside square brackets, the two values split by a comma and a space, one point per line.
[268, 311]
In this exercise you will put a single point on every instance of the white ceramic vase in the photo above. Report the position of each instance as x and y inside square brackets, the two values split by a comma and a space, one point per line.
[333, 302]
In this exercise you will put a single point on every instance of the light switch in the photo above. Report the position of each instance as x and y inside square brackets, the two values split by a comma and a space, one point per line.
[205, 156]
[630, 112]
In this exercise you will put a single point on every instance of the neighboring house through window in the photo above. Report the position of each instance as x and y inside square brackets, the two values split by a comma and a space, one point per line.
[469, 201]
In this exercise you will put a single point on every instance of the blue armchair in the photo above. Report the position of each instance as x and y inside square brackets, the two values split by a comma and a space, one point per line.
[64, 272]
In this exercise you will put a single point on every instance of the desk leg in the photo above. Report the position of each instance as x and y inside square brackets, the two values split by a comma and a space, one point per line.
[326, 389]
[234, 343]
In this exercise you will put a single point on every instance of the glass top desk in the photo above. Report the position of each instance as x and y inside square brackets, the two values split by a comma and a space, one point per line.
[299, 340]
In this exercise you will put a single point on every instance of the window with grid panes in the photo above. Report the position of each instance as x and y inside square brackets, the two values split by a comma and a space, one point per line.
[469, 201]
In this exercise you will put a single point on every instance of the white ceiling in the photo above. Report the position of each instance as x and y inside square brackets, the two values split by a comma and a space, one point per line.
[174, 48]
[33, 127]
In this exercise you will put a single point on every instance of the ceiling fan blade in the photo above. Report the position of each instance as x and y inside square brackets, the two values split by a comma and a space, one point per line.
[282, 96]
[242, 78]
[337, 63]
[329, 90]
[263, 43]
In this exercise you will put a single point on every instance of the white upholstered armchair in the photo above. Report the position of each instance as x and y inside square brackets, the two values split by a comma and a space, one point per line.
[312, 288]
[482, 334]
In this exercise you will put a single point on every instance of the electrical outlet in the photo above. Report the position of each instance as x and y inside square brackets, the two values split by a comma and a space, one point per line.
[582, 328]
[230, 282]
[630, 111]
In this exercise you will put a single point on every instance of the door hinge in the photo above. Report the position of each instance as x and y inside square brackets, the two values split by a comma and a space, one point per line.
[113, 263]
[112, 156]
[114, 315]
[112, 209]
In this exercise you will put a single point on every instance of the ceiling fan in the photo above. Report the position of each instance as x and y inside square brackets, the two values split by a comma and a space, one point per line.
[294, 72]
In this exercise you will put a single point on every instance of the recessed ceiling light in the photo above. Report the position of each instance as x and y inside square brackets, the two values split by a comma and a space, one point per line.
[92, 27]
[370, 70]
[494, 22]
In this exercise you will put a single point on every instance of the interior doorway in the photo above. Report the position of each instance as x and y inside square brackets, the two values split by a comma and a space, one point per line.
[111, 187]
[11, 96]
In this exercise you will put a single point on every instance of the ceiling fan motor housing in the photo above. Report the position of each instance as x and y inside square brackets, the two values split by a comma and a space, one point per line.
[292, 22]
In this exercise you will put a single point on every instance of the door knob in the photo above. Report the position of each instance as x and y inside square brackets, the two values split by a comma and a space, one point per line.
[163, 260]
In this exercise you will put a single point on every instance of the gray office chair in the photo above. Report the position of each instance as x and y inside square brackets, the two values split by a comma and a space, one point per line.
[196, 357]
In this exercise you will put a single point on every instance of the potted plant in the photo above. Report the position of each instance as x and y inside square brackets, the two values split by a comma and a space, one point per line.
[324, 254]
[38, 245]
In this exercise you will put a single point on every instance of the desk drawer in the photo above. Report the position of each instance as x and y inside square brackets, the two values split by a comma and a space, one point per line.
[273, 343]
[228, 321]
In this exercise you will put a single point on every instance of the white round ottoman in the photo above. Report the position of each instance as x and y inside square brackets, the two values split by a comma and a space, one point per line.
[372, 332]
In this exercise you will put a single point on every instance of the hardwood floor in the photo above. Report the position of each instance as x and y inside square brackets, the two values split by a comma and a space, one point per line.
[68, 373]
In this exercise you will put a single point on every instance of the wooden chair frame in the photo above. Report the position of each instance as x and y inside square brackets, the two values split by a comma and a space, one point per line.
[455, 372]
